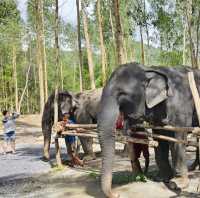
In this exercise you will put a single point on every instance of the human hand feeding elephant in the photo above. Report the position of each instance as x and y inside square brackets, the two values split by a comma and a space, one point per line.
[160, 95]
[84, 107]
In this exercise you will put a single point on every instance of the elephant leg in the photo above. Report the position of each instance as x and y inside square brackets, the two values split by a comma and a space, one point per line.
[162, 160]
[87, 144]
[46, 148]
[196, 161]
[135, 163]
[180, 164]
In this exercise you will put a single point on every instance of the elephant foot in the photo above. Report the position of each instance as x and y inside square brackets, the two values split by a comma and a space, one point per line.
[112, 195]
[193, 165]
[181, 182]
[45, 159]
[159, 178]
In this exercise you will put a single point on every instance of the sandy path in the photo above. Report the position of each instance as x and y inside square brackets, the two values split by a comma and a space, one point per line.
[25, 175]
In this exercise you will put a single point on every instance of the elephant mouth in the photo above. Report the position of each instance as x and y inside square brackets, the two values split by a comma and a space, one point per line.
[136, 118]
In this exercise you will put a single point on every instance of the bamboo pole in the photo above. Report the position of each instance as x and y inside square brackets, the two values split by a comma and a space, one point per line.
[84, 126]
[196, 98]
[195, 130]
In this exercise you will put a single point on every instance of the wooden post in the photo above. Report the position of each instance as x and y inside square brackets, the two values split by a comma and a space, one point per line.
[196, 98]
[58, 156]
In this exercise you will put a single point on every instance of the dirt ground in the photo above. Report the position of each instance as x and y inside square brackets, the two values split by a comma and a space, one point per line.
[26, 175]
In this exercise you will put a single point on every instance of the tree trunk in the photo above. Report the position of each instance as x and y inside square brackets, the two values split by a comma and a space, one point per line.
[79, 46]
[61, 74]
[25, 87]
[27, 101]
[39, 53]
[142, 46]
[88, 46]
[118, 33]
[112, 26]
[44, 53]
[103, 50]
[184, 45]
[189, 23]
[197, 42]
[57, 66]
[147, 33]
[15, 78]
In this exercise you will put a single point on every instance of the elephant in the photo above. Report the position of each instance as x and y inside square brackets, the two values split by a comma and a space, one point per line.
[159, 95]
[83, 106]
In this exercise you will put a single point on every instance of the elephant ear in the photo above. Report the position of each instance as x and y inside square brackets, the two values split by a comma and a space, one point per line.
[156, 89]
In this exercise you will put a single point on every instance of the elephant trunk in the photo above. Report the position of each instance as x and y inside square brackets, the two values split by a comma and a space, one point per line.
[106, 127]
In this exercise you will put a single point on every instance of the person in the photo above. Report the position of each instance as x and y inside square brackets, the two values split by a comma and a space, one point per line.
[70, 141]
[9, 124]
[135, 149]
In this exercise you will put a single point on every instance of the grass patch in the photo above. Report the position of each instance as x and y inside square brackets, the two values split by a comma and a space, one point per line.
[94, 175]
[57, 168]
[121, 177]
[128, 177]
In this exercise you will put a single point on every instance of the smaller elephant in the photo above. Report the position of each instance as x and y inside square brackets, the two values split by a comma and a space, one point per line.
[64, 102]
[84, 107]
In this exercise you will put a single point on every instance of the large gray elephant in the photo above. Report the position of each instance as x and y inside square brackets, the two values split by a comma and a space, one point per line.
[84, 106]
[160, 95]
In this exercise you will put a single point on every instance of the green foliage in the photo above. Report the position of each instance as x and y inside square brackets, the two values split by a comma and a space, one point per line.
[172, 58]
[128, 177]
[165, 19]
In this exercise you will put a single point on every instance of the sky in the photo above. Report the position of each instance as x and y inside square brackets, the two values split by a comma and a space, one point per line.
[67, 10]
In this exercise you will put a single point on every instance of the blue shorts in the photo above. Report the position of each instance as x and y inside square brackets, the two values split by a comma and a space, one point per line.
[70, 139]
[9, 136]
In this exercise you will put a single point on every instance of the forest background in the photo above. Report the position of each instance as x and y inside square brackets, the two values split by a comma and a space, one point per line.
[45, 51]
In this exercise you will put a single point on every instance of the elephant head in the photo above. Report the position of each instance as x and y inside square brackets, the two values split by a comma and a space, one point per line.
[131, 89]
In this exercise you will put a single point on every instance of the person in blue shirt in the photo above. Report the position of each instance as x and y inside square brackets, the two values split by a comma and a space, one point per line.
[9, 124]
[70, 141]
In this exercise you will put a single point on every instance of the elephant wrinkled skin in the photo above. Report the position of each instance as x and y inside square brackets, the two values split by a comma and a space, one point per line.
[84, 106]
[159, 95]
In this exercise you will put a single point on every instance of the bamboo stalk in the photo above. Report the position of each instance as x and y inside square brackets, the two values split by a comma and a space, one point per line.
[78, 134]
[195, 130]
[150, 143]
[162, 137]
[84, 126]
[196, 98]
